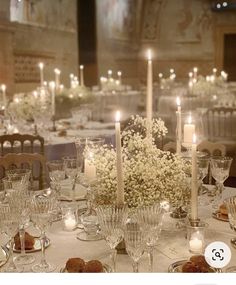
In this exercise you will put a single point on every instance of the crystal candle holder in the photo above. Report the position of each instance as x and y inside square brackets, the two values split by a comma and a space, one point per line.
[196, 237]
[69, 218]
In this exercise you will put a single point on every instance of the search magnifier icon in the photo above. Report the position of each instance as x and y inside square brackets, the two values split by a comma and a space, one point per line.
[217, 254]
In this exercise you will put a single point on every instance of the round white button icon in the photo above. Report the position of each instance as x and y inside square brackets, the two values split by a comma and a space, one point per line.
[217, 254]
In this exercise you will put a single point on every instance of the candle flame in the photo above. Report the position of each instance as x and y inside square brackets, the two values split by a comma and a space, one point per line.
[195, 69]
[41, 65]
[119, 73]
[172, 70]
[194, 138]
[149, 54]
[57, 71]
[71, 76]
[52, 84]
[190, 84]
[190, 74]
[160, 75]
[178, 102]
[3, 87]
[35, 94]
[81, 67]
[117, 116]
[214, 70]
[109, 72]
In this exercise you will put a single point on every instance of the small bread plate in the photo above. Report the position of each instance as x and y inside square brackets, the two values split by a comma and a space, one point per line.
[37, 246]
[176, 267]
[218, 216]
[4, 255]
[106, 269]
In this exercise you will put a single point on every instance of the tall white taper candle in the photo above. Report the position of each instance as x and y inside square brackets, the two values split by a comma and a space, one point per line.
[179, 126]
[57, 78]
[52, 86]
[149, 93]
[81, 68]
[41, 67]
[120, 181]
[194, 184]
[3, 87]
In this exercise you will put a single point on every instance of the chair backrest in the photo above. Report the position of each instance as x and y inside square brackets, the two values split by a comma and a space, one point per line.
[21, 143]
[212, 149]
[219, 123]
[34, 161]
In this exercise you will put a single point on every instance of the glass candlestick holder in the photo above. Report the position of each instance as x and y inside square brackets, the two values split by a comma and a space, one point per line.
[196, 237]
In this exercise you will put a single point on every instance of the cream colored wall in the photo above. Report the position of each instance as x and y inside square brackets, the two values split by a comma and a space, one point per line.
[47, 33]
[181, 34]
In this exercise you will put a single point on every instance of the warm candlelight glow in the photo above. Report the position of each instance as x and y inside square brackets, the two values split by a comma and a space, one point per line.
[190, 84]
[160, 75]
[117, 117]
[214, 70]
[149, 54]
[41, 65]
[190, 74]
[35, 94]
[172, 70]
[71, 76]
[178, 102]
[81, 67]
[3, 87]
[190, 119]
[194, 138]
[52, 84]
[119, 73]
[195, 69]
[109, 72]
[57, 71]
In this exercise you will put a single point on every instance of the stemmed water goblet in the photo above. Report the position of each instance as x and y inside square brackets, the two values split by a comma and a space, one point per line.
[112, 220]
[42, 210]
[135, 243]
[150, 220]
[9, 223]
[19, 200]
[56, 172]
[220, 167]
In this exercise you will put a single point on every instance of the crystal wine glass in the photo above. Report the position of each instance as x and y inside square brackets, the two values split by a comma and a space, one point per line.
[42, 211]
[56, 173]
[112, 219]
[150, 219]
[220, 167]
[9, 221]
[19, 200]
[135, 243]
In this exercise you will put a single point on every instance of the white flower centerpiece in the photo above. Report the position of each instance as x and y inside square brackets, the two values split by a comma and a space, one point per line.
[150, 174]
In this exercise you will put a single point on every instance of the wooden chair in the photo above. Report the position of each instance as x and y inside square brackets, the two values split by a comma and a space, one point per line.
[219, 123]
[212, 149]
[21, 143]
[34, 161]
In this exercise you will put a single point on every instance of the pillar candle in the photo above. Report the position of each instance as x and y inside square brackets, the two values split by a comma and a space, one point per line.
[179, 126]
[120, 181]
[149, 92]
[81, 68]
[52, 86]
[41, 67]
[189, 130]
[194, 182]
[57, 78]
[3, 87]
[89, 168]
[71, 80]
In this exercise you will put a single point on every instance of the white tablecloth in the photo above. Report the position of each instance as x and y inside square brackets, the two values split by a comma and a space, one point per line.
[172, 246]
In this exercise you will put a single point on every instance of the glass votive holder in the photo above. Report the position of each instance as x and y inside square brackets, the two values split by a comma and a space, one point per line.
[196, 237]
[69, 218]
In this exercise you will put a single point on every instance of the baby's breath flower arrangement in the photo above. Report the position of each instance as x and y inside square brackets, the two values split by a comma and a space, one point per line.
[150, 174]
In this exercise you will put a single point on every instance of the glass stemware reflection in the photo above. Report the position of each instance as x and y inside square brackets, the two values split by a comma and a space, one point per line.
[231, 208]
[9, 222]
[19, 200]
[203, 166]
[135, 243]
[220, 167]
[42, 211]
[56, 173]
[112, 220]
[150, 219]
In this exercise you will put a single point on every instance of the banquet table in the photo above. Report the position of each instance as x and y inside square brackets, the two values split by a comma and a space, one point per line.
[172, 244]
